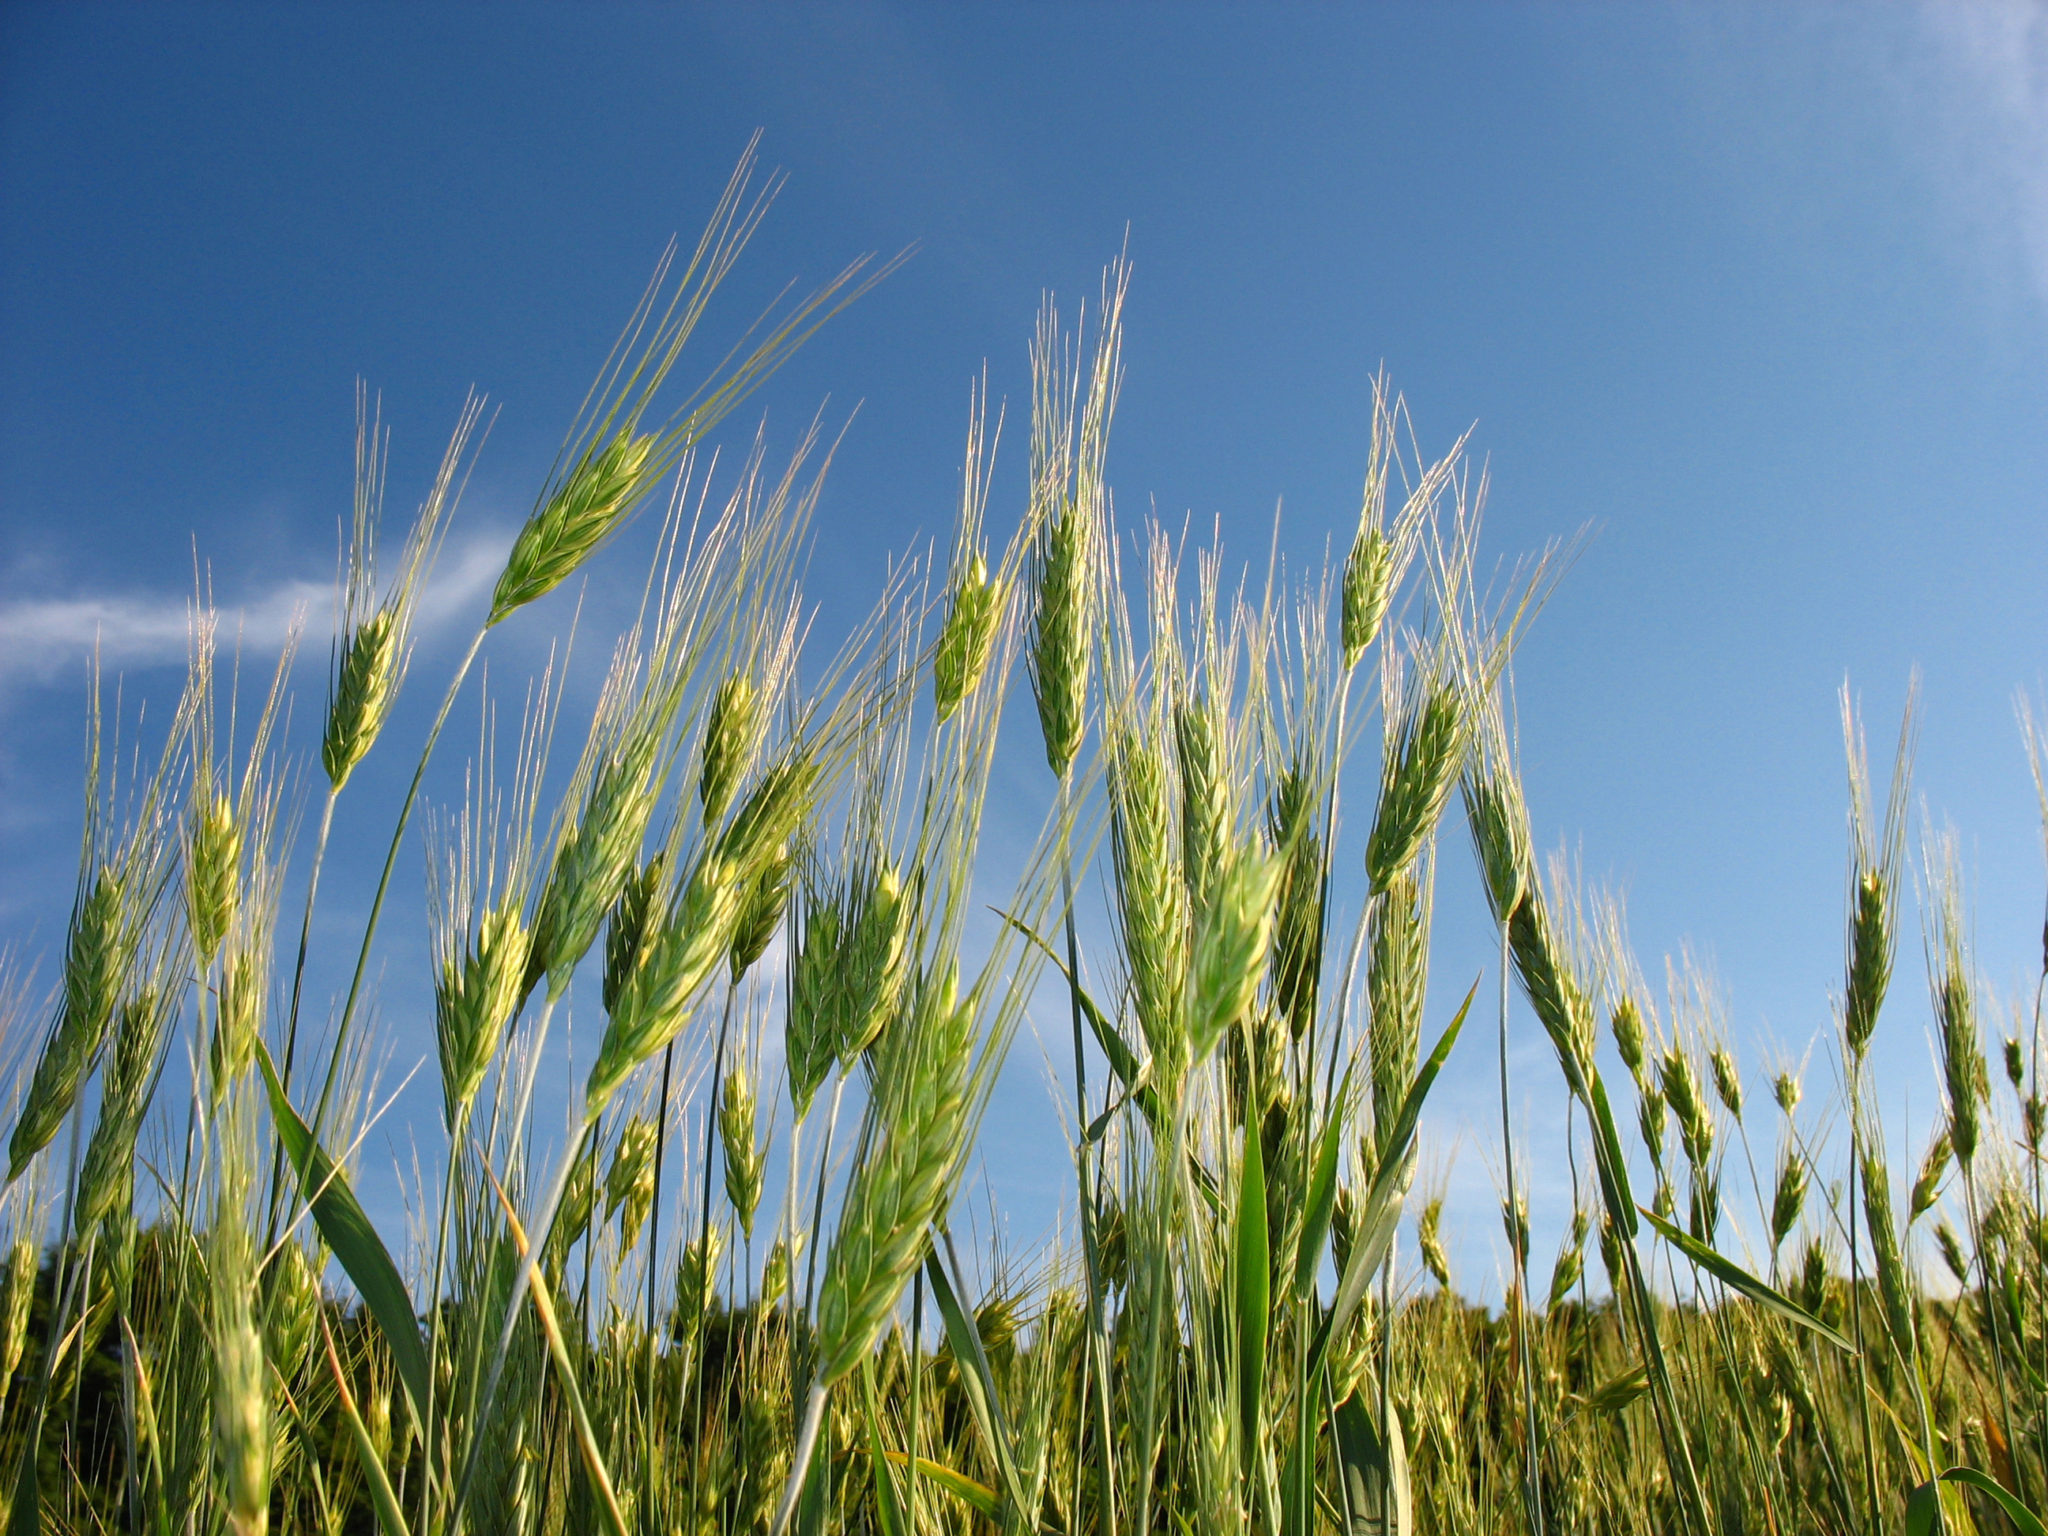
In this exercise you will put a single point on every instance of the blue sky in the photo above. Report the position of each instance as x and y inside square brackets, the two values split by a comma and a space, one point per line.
[1760, 295]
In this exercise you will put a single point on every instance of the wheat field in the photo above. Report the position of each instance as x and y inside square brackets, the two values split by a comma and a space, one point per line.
[761, 871]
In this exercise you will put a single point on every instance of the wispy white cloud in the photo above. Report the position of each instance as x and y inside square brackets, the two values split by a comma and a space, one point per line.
[46, 639]
[1995, 53]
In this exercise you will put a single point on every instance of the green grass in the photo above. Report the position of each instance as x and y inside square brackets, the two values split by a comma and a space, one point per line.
[633, 1331]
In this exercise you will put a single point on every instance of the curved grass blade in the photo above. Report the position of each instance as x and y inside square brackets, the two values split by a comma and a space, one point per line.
[382, 1495]
[889, 1510]
[1123, 1061]
[979, 1497]
[1921, 1504]
[977, 1381]
[1389, 1189]
[1254, 1285]
[1322, 1196]
[352, 1239]
[1737, 1278]
[579, 1415]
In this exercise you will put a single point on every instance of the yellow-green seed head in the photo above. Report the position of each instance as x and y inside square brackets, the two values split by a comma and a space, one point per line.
[1785, 1089]
[629, 1183]
[1298, 923]
[1962, 1063]
[1952, 1255]
[728, 744]
[876, 962]
[626, 932]
[1421, 766]
[1727, 1080]
[474, 999]
[1933, 1169]
[584, 509]
[1060, 648]
[1205, 797]
[1396, 985]
[1233, 935]
[238, 1019]
[96, 956]
[1429, 1239]
[241, 1387]
[964, 643]
[213, 879]
[1500, 835]
[22, 1261]
[904, 1182]
[360, 697]
[1626, 1025]
[767, 898]
[1368, 588]
[594, 860]
[811, 1029]
[1790, 1199]
[696, 1281]
[655, 1003]
[1870, 963]
[2015, 1063]
[744, 1162]
[1151, 895]
[291, 1307]
[775, 1274]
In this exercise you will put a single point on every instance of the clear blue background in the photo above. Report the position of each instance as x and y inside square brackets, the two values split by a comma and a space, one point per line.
[1757, 294]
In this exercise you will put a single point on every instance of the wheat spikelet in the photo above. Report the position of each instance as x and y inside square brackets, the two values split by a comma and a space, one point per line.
[593, 859]
[106, 1177]
[629, 1182]
[1788, 1200]
[577, 516]
[633, 916]
[967, 637]
[811, 1024]
[728, 744]
[241, 1386]
[1965, 1075]
[903, 1182]
[1206, 811]
[760, 914]
[1233, 936]
[365, 682]
[1151, 892]
[291, 1307]
[96, 955]
[1298, 920]
[1727, 1080]
[1429, 1242]
[475, 997]
[22, 1262]
[1396, 984]
[676, 963]
[1060, 641]
[1892, 1285]
[1927, 1182]
[213, 871]
[743, 1157]
[875, 960]
[1425, 750]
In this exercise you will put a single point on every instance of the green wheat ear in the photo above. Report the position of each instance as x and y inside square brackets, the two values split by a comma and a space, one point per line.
[1233, 937]
[967, 638]
[96, 957]
[745, 1162]
[677, 960]
[584, 510]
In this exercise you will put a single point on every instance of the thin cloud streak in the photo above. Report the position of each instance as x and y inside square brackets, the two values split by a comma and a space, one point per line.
[43, 639]
[1999, 49]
